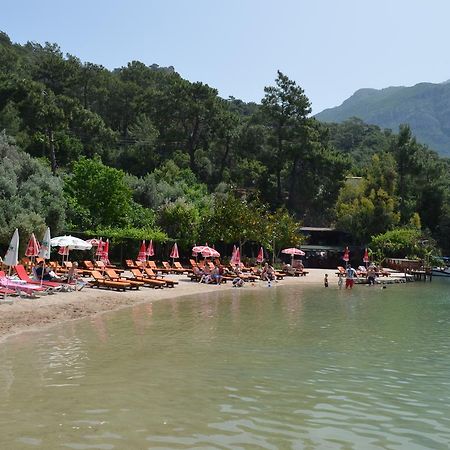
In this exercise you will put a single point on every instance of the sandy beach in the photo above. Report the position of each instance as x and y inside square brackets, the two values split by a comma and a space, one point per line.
[21, 314]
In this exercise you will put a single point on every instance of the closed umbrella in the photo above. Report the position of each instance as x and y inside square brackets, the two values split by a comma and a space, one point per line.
[174, 253]
[236, 258]
[44, 251]
[366, 257]
[105, 253]
[346, 256]
[260, 257]
[32, 247]
[99, 251]
[150, 250]
[12, 255]
[142, 252]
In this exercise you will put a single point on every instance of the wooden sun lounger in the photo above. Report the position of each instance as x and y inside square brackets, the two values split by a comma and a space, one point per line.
[179, 267]
[114, 276]
[100, 281]
[150, 282]
[149, 273]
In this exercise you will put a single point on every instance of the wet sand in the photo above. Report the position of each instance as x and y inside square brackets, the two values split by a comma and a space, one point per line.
[21, 314]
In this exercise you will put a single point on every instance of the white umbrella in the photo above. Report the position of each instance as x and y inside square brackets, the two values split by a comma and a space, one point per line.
[44, 251]
[12, 255]
[70, 241]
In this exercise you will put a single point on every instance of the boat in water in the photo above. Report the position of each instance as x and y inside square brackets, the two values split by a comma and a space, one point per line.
[443, 270]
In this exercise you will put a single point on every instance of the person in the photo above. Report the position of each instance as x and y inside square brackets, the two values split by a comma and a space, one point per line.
[238, 282]
[72, 275]
[371, 274]
[325, 280]
[45, 273]
[216, 276]
[351, 274]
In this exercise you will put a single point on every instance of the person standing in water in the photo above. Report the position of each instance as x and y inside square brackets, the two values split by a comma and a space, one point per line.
[350, 273]
[325, 280]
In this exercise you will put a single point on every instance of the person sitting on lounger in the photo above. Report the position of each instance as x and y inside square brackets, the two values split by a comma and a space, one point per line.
[45, 273]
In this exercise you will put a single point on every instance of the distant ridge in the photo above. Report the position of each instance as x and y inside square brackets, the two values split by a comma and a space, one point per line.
[425, 107]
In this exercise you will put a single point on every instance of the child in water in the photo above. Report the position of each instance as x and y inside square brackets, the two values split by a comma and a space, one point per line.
[340, 280]
[325, 280]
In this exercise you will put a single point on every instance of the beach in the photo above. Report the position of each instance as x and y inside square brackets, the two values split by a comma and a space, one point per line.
[22, 314]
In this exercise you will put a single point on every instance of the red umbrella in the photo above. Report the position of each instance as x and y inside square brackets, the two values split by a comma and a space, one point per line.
[260, 257]
[174, 253]
[199, 248]
[236, 258]
[105, 252]
[150, 249]
[346, 256]
[293, 251]
[32, 247]
[99, 251]
[366, 257]
[141, 255]
[208, 252]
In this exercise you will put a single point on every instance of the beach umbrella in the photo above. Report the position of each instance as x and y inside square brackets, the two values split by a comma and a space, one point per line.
[174, 253]
[99, 251]
[346, 256]
[12, 255]
[293, 252]
[260, 257]
[236, 258]
[72, 242]
[142, 252]
[32, 247]
[150, 250]
[44, 251]
[199, 248]
[105, 253]
[209, 252]
[94, 242]
[366, 257]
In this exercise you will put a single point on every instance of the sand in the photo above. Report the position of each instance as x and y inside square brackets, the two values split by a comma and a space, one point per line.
[20, 314]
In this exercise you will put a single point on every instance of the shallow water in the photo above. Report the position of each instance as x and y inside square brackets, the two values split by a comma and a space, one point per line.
[296, 367]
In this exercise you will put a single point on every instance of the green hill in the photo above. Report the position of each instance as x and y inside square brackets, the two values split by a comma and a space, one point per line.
[425, 107]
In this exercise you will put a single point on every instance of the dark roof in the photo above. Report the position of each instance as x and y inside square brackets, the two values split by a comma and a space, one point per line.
[317, 229]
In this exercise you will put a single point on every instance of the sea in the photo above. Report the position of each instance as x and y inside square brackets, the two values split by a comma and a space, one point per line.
[286, 367]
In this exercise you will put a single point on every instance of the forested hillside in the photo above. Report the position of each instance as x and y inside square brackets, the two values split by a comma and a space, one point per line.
[425, 107]
[141, 152]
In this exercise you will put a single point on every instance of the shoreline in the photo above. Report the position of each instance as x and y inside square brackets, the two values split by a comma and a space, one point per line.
[36, 314]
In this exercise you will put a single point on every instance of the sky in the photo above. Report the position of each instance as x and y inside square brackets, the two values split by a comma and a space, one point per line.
[331, 48]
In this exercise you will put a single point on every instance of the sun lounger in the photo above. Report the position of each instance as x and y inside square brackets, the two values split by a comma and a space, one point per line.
[114, 276]
[22, 274]
[100, 281]
[150, 274]
[150, 282]
[171, 269]
[178, 266]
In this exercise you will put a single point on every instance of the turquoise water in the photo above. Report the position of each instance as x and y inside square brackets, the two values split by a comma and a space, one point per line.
[282, 368]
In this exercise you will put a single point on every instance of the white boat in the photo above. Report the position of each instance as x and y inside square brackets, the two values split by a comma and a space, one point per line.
[441, 271]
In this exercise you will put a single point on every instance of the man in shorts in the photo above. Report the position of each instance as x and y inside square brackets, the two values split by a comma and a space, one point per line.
[350, 273]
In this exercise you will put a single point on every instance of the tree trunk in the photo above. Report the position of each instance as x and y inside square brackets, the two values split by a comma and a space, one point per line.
[52, 151]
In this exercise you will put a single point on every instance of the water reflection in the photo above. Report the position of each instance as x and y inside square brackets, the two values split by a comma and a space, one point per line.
[252, 368]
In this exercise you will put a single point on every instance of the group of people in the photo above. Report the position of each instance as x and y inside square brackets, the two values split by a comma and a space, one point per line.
[46, 273]
[351, 274]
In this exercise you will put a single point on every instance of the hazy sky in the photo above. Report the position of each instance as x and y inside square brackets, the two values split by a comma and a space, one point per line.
[329, 47]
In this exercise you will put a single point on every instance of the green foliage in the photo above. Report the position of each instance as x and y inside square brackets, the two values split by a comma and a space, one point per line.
[30, 196]
[119, 235]
[97, 196]
[403, 243]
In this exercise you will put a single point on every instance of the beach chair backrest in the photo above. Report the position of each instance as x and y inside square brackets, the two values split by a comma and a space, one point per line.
[111, 273]
[149, 272]
[88, 264]
[136, 273]
[129, 263]
[97, 275]
[166, 265]
[22, 273]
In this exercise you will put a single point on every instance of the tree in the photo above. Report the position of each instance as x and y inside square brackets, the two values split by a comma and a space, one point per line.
[97, 195]
[285, 107]
[30, 196]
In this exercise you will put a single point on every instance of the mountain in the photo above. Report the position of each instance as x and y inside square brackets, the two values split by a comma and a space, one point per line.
[425, 107]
